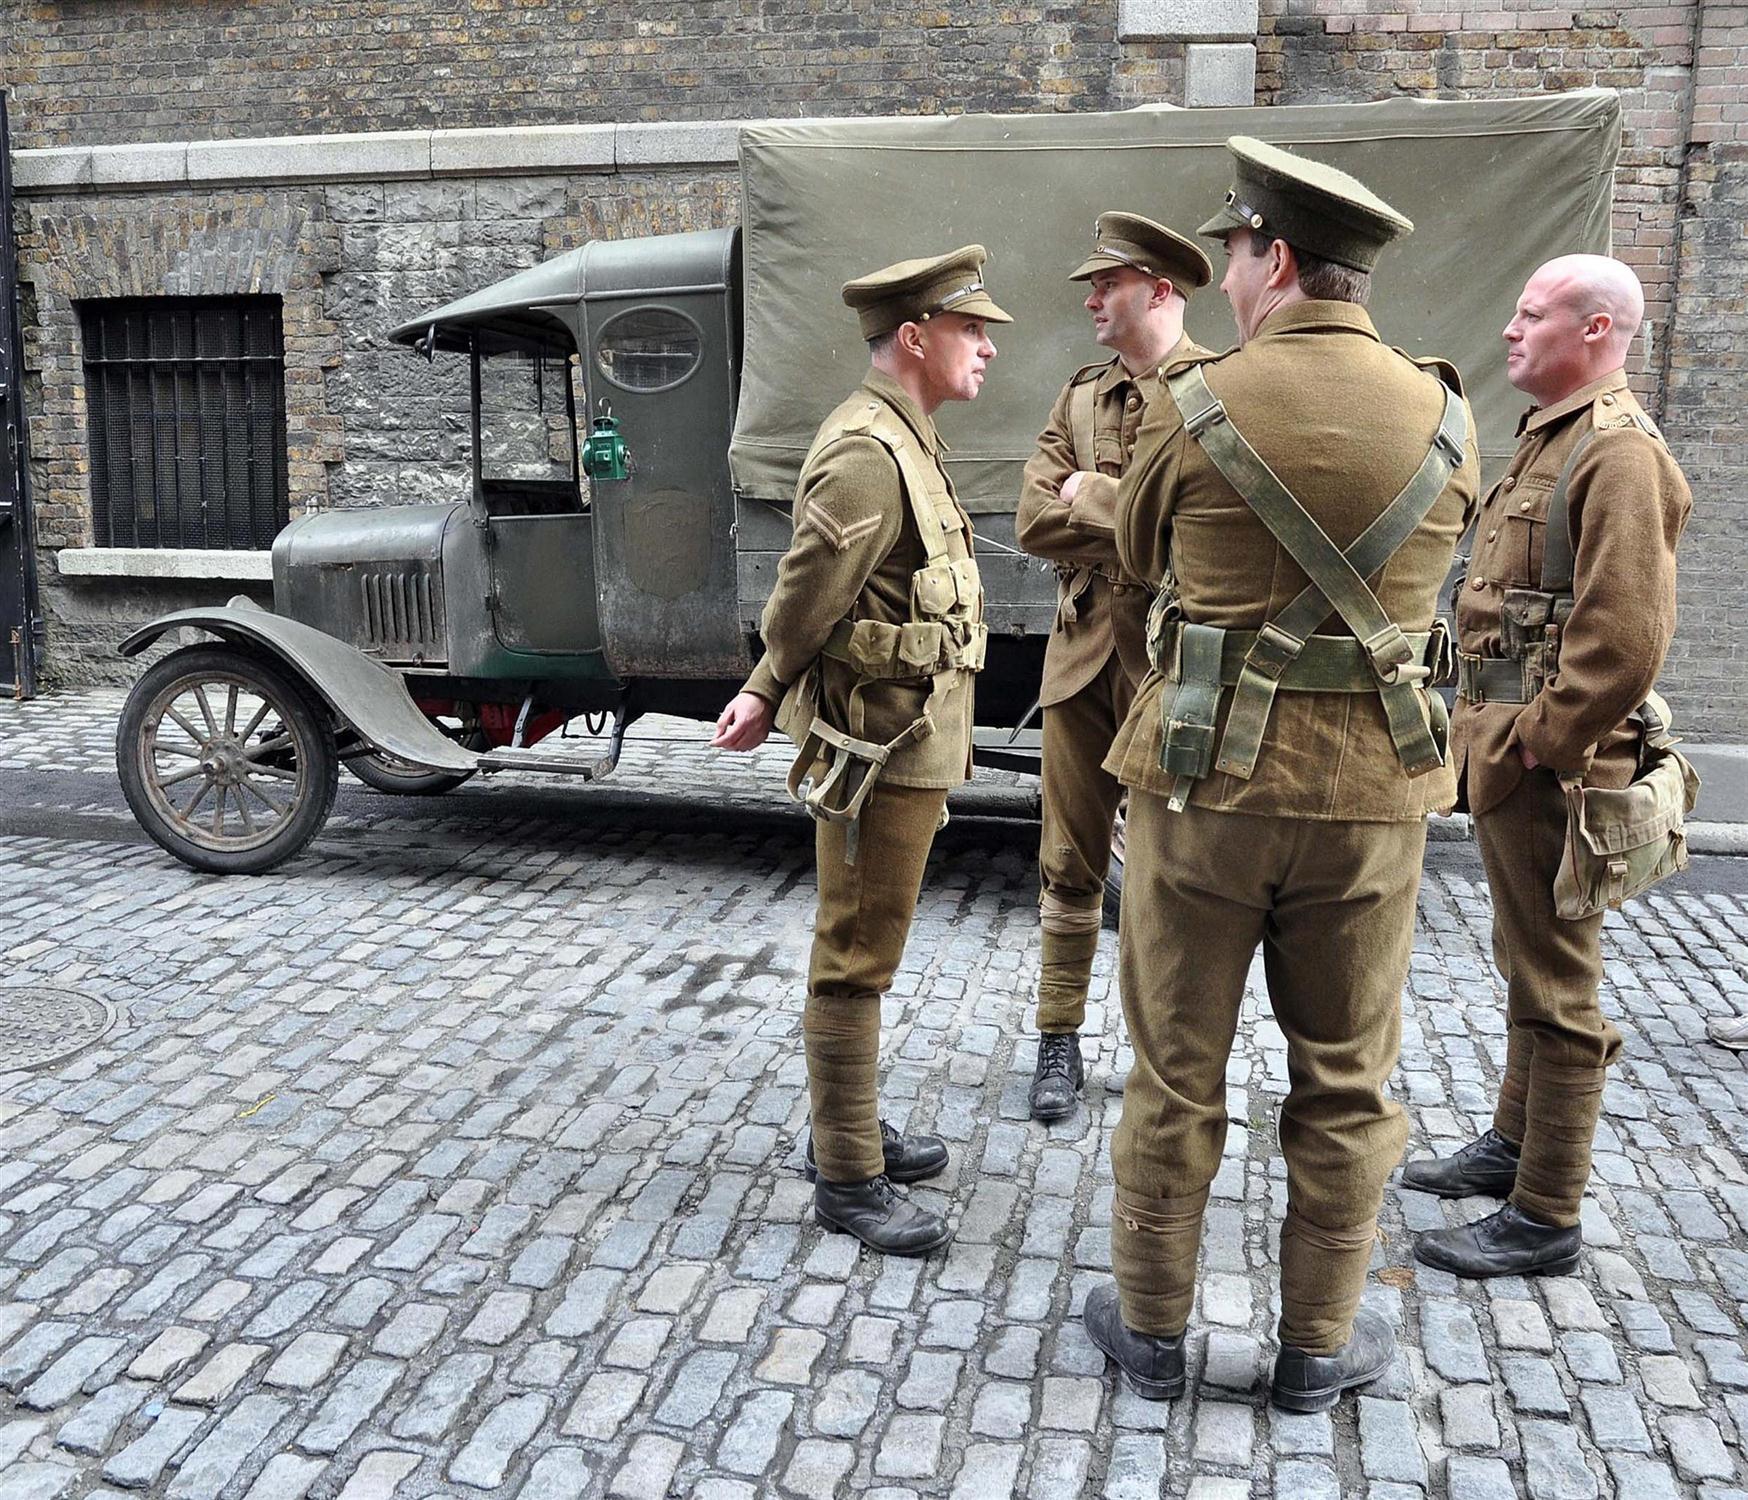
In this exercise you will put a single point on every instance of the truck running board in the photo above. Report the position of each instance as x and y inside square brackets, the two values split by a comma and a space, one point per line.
[591, 769]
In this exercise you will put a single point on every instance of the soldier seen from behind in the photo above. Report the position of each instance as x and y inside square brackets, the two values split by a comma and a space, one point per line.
[872, 636]
[1297, 501]
[1563, 624]
[1140, 275]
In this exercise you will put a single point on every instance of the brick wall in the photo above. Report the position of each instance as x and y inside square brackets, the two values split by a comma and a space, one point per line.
[127, 70]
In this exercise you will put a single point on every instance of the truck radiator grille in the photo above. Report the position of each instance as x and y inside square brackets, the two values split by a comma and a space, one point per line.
[402, 613]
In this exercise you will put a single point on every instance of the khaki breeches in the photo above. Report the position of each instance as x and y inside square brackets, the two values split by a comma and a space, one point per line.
[864, 916]
[1559, 1045]
[1332, 905]
[1074, 847]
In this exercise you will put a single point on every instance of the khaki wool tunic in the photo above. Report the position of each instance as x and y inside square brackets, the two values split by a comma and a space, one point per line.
[1627, 503]
[1359, 427]
[854, 551]
[1110, 611]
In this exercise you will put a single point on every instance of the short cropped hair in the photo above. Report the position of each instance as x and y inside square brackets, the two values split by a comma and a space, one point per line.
[1325, 280]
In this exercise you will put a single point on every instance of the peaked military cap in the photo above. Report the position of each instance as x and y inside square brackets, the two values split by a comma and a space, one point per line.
[1152, 249]
[913, 291]
[1309, 204]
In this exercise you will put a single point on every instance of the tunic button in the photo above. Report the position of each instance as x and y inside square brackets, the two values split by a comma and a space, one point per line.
[1608, 400]
[1510, 482]
[1479, 583]
[1493, 534]
[1523, 505]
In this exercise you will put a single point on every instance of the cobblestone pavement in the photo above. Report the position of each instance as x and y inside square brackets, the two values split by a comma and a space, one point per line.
[461, 1157]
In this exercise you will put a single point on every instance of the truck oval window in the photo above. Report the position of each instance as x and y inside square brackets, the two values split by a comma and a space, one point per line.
[648, 348]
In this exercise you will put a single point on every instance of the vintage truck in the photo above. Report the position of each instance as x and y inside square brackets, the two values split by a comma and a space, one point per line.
[641, 409]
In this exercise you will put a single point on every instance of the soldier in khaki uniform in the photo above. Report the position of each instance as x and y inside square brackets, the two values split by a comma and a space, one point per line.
[1551, 674]
[1281, 758]
[872, 636]
[1141, 274]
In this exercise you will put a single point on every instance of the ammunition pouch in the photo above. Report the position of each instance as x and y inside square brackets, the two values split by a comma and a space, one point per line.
[945, 588]
[881, 652]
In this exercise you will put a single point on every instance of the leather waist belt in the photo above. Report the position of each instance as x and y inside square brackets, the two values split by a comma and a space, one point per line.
[1491, 679]
[1324, 664]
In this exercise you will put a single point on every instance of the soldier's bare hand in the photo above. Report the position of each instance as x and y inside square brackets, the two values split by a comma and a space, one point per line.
[1071, 486]
[744, 725]
[1529, 757]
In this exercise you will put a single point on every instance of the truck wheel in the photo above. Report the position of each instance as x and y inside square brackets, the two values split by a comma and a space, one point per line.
[225, 760]
[1114, 872]
[388, 774]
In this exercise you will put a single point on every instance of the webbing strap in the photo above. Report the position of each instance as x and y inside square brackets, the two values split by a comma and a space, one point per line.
[1325, 663]
[1558, 559]
[1082, 402]
[929, 525]
[1337, 579]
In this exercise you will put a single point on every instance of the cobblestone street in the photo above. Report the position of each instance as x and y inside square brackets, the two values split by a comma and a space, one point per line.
[462, 1156]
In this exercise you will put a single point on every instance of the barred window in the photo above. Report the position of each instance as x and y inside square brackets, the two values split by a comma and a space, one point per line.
[186, 397]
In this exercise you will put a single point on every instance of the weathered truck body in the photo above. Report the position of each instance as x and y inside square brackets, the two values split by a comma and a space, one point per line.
[424, 643]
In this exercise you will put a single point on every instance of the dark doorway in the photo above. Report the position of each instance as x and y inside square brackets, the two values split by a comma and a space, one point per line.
[21, 626]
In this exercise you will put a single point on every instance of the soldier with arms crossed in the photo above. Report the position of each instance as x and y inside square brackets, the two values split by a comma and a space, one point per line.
[1585, 448]
[1141, 274]
[872, 635]
[1305, 491]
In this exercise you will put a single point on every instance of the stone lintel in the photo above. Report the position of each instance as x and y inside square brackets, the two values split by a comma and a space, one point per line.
[524, 150]
[1186, 20]
[373, 155]
[163, 562]
[1219, 73]
[678, 143]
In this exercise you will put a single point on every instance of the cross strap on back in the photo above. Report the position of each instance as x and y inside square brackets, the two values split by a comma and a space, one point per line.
[1337, 580]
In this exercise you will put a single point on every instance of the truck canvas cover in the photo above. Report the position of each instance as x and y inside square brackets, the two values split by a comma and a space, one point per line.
[1494, 188]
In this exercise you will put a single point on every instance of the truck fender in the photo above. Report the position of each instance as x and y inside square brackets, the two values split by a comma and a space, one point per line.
[368, 698]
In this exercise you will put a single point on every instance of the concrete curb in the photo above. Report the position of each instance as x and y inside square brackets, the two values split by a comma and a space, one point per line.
[1702, 838]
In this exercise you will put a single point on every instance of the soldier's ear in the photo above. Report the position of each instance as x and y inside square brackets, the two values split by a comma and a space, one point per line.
[1162, 290]
[909, 337]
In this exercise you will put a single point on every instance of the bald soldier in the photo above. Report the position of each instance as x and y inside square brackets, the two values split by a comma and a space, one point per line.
[1281, 758]
[1559, 648]
[872, 635]
[1140, 275]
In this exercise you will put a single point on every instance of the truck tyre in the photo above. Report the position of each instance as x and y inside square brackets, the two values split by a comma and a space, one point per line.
[226, 760]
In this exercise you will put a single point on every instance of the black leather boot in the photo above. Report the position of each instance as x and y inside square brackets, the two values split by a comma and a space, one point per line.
[880, 1216]
[1486, 1167]
[1153, 1366]
[1314, 1382]
[909, 1158]
[1507, 1243]
[1058, 1075]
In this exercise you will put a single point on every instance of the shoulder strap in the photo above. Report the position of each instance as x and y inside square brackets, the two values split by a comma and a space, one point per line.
[1558, 558]
[1337, 579]
[1082, 399]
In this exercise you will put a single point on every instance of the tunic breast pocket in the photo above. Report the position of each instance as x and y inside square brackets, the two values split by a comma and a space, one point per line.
[1523, 528]
[1520, 555]
[1109, 452]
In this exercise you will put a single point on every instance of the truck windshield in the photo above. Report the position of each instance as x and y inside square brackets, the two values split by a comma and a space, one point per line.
[526, 430]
